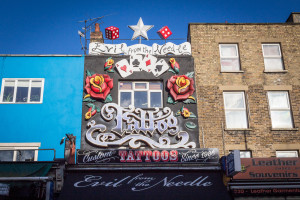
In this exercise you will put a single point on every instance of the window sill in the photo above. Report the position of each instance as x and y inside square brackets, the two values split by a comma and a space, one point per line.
[238, 129]
[16, 103]
[232, 71]
[284, 129]
[275, 71]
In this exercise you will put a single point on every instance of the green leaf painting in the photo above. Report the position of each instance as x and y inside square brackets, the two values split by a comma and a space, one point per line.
[189, 101]
[88, 100]
[190, 74]
[108, 99]
[171, 100]
[190, 125]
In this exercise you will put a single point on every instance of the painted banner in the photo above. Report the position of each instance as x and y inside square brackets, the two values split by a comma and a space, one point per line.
[96, 48]
[146, 185]
[269, 168]
[203, 156]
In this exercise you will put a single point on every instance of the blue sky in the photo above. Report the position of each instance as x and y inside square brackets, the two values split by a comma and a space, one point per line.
[50, 27]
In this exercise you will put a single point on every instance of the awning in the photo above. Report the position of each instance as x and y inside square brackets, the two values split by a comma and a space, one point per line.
[145, 185]
[24, 169]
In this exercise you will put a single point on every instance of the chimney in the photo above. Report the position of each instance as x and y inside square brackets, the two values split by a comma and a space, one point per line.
[97, 35]
[294, 18]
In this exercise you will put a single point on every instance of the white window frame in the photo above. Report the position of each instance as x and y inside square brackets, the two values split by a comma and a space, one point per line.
[287, 151]
[134, 89]
[228, 57]
[280, 109]
[236, 109]
[272, 56]
[245, 151]
[15, 90]
[21, 146]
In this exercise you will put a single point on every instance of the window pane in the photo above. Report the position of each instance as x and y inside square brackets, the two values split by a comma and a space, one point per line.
[245, 154]
[140, 99]
[228, 50]
[155, 86]
[278, 100]
[236, 119]
[155, 99]
[140, 86]
[125, 86]
[25, 155]
[125, 99]
[6, 155]
[8, 94]
[285, 154]
[281, 119]
[35, 95]
[273, 63]
[8, 91]
[22, 91]
[234, 100]
[230, 64]
[271, 50]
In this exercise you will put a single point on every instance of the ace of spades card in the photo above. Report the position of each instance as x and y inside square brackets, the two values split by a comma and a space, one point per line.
[148, 63]
[160, 67]
[135, 62]
[124, 68]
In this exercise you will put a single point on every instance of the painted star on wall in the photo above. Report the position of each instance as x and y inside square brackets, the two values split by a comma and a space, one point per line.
[140, 29]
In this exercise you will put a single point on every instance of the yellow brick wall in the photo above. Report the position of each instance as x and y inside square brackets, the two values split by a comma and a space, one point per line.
[210, 83]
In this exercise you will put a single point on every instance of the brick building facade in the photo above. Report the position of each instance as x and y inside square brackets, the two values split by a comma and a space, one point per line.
[251, 73]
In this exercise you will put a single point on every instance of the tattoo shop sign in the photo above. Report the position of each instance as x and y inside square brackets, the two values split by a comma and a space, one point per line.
[96, 48]
[179, 184]
[136, 126]
[203, 156]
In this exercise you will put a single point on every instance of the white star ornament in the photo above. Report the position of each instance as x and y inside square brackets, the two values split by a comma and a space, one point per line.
[140, 29]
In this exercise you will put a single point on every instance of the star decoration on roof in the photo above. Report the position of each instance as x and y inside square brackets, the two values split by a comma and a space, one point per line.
[140, 29]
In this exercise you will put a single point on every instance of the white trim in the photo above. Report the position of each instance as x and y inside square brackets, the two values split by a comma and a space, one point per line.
[244, 109]
[230, 57]
[288, 108]
[272, 56]
[21, 146]
[147, 89]
[289, 151]
[15, 90]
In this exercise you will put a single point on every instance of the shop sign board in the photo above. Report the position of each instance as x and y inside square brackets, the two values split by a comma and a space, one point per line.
[269, 168]
[266, 192]
[203, 156]
[146, 185]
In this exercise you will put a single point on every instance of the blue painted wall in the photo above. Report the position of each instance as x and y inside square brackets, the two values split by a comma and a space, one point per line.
[60, 112]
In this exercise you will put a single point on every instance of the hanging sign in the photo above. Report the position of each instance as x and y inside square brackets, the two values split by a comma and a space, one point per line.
[233, 163]
[96, 48]
[203, 156]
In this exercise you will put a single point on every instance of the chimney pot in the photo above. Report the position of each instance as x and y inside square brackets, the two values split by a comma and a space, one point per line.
[97, 28]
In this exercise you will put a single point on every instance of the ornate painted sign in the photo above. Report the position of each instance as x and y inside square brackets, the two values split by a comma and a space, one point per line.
[203, 156]
[96, 48]
[137, 101]
[134, 125]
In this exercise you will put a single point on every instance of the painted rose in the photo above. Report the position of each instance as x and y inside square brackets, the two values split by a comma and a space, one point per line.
[181, 87]
[98, 85]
